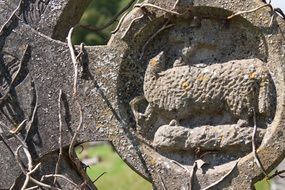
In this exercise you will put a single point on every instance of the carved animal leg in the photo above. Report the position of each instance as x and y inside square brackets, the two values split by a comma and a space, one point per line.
[242, 123]
[173, 122]
[263, 99]
[142, 119]
[134, 103]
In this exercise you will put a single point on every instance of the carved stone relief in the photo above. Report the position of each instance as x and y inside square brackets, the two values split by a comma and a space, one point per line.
[188, 92]
[197, 90]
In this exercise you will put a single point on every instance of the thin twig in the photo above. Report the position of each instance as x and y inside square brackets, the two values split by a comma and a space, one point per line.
[30, 162]
[16, 74]
[31, 188]
[73, 58]
[277, 173]
[119, 24]
[57, 166]
[114, 19]
[30, 168]
[256, 157]
[129, 27]
[5, 141]
[175, 4]
[97, 178]
[43, 184]
[18, 160]
[222, 179]
[164, 27]
[249, 11]
[11, 17]
[30, 123]
[71, 151]
[73, 140]
[157, 7]
[60, 176]
[162, 182]
[34, 169]
[81, 51]
[19, 128]
[180, 165]
[16, 136]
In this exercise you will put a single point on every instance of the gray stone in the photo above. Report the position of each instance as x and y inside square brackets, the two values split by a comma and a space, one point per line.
[155, 129]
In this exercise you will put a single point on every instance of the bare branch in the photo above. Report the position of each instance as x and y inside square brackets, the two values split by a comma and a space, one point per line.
[256, 157]
[114, 19]
[162, 182]
[31, 188]
[73, 58]
[16, 74]
[97, 178]
[60, 176]
[175, 4]
[277, 173]
[129, 27]
[11, 17]
[180, 165]
[19, 128]
[223, 178]
[157, 7]
[249, 11]
[73, 140]
[16, 136]
[119, 24]
[43, 184]
[164, 27]
[60, 136]
[30, 123]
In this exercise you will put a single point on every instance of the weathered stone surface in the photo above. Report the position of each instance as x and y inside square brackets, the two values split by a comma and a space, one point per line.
[204, 40]
[222, 137]
[112, 76]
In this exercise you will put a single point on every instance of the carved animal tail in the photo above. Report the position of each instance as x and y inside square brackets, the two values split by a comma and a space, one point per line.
[266, 101]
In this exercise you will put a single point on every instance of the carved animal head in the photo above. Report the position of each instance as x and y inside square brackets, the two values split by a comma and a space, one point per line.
[157, 64]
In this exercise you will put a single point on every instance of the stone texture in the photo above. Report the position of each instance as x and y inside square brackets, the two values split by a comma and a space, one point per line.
[205, 138]
[112, 76]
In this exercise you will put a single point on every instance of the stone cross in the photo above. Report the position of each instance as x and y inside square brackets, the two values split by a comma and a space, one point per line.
[190, 93]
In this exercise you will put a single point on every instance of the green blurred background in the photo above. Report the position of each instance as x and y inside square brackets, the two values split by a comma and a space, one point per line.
[118, 175]
[98, 13]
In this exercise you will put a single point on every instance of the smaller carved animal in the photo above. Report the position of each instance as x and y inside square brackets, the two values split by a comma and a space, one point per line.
[237, 86]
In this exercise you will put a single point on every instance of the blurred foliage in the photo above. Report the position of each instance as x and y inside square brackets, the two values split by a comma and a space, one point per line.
[118, 176]
[97, 14]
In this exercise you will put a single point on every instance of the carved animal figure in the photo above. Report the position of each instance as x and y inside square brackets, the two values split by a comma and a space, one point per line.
[239, 86]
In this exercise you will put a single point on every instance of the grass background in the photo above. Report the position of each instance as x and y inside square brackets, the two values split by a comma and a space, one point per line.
[119, 176]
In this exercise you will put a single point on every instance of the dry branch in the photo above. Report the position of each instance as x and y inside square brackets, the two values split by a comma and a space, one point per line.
[112, 21]
[249, 11]
[162, 182]
[142, 5]
[16, 74]
[164, 27]
[73, 58]
[30, 123]
[97, 178]
[60, 176]
[129, 27]
[256, 157]
[60, 136]
[223, 178]
[11, 17]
